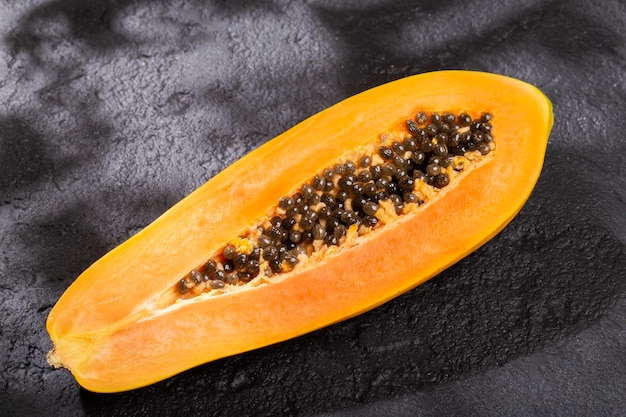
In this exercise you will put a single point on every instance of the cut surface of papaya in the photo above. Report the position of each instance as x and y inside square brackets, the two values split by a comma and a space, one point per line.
[343, 212]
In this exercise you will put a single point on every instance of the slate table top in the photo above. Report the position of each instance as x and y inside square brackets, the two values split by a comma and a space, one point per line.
[111, 111]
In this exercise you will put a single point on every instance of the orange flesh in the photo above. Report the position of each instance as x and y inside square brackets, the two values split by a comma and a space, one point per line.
[116, 329]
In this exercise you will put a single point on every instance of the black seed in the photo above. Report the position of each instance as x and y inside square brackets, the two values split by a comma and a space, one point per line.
[318, 231]
[319, 182]
[331, 240]
[397, 201]
[219, 275]
[475, 126]
[400, 173]
[339, 169]
[332, 223]
[275, 232]
[443, 128]
[376, 171]
[349, 217]
[288, 223]
[364, 176]
[406, 183]
[229, 252]
[388, 169]
[393, 188]
[182, 286]
[486, 117]
[216, 284]
[410, 144]
[329, 174]
[255, 254]
[342, 195]
[306, 223]
[298, 201]
[339, 231]
[435, 117]
[369, 189]
[433, 169]
[398, 147]
[324, 212]
[244, 276]
[380, 196]
[345, 183]
[411, 125]
[357, 203]
[486, 128]
[434, 159]
[483, 148]
[357, 189]
[446, 161]
[292, 212]
[440, 149]
[442, 180]
[228, 266]
[487, 138]
[295, 236]
[365, 161]
[410, 198]
[419, 175]
[313, 200]
[427, 146]
[421, 135]
[276, 221]
[454, 139]
[306, 191]
[275, 266]
[328, 200]
[270, 253]
[464, 119]
[460, 150]
[350, 166]
[210, 267]
[432, 129]
[477, 136]
[385, 152]
[442, 138]
[230, 279]
[418, 157]
[252, 266]
[290, 261]
[370, 208]
[369, 221]
[329, 186]
[240, 261]
[421, 118]
[447, 118]
[285, 202]
[310, 214]
[399, 161]
[382, 183]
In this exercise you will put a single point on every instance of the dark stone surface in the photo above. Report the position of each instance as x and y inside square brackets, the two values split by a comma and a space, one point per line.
[111, 111]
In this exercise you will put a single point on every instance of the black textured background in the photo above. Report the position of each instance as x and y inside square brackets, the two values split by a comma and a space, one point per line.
[111, 111]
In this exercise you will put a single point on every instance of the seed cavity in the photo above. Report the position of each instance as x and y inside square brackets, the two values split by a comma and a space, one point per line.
[349, 199]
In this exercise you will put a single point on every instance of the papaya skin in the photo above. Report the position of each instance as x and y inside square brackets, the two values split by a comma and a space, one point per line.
[116, 327]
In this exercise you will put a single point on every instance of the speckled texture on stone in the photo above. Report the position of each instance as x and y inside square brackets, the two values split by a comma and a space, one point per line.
[111, 111]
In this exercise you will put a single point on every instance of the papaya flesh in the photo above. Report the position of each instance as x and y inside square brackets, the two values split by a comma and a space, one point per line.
[126, 322]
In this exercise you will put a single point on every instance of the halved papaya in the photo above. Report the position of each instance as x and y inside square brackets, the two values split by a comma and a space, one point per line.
[157, 305]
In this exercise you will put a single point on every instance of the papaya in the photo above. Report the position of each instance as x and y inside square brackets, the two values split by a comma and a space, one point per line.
[343, 212]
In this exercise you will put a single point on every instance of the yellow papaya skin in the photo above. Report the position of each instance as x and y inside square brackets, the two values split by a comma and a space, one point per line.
[113, 330]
